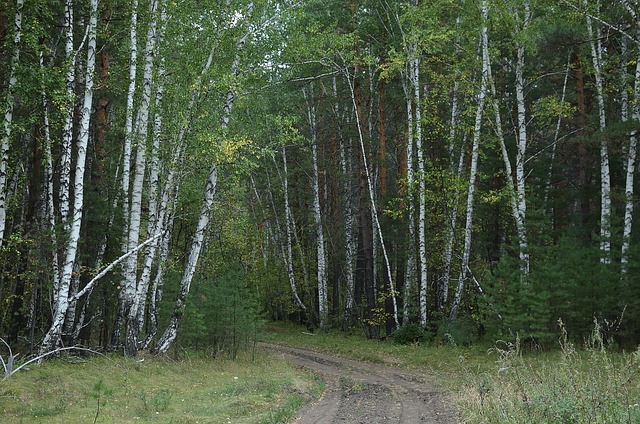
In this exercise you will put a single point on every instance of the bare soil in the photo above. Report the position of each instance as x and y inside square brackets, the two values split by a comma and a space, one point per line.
[362, 392]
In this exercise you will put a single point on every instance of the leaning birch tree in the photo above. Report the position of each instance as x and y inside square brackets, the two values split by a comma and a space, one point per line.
[171, 331]
[473, 171]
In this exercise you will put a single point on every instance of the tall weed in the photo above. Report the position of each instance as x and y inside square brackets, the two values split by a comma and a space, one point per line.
[590, 385]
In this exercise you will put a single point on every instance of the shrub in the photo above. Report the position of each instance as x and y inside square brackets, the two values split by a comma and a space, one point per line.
[407, 334]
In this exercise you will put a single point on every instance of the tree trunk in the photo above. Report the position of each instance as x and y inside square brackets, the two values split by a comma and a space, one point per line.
[422, 190]
[466, 253]
[8, 116]
[632, 152]
[410, 272]
[323, 307]
[125, 292]
[52, 338]
[605, 174]
[170, 333]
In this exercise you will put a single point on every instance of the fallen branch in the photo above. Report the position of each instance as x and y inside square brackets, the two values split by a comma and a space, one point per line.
[8, 365]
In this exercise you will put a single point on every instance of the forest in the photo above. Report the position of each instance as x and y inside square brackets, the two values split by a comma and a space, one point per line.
[183, 171]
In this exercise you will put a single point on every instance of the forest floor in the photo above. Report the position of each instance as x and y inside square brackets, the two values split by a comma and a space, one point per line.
[365, 392]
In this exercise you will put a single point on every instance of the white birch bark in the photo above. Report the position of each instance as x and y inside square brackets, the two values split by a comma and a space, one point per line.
[466, 253]
[422, 246]
[346, 166]
[8, 116]
[127, 149]
[52, 337]
[410, 272]
[521, 204]
[632, 152]
[128, 126]
[288, 255]
[443, 292]
[605, 173]
[133, 293]
[556, 133]
[155, 220]
[373, 200]
[517, 197]
[453, 223]
[67, 131]
[49, 207]
[170, 332]
[323, 307]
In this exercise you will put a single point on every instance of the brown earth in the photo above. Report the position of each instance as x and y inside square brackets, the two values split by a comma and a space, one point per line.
[362, 392]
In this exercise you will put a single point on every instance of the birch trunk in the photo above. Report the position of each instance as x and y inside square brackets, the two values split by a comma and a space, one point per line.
[605, 174]
[8, 116]
[632, 152]
[373, 201]
[288, 218]
[323, 306]
[516, 193]
[67, 131]
[133, 293]
[411, 255]
[521, 204]
[466, 253]
[126, 165]
[443, 291]
[346, 166]
[52, 337]
[49, 207]
[453, 223]
[170, 333]
[422, 190]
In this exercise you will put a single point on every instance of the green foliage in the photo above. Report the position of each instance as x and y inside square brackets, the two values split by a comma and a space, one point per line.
[224, 315]
[407, 334]
[459, 332]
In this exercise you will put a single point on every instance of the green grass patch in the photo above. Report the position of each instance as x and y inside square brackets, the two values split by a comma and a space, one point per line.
[592, 385]
[159, 390]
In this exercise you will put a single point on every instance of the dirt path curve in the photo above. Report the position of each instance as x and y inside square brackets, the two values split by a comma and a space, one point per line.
[361, 392]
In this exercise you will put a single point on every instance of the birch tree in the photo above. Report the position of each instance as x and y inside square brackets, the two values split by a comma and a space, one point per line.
[288, 254]
[170, 332]
[605, 174]
[317, 215]
[8, 115]
[632, 149]
[132, 293]
[52, 337]
[473, 171]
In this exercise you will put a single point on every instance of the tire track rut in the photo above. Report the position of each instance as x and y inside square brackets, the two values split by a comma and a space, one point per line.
[361, 392]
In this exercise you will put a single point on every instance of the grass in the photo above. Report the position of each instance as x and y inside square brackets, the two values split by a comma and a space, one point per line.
[191, 390]
[501, 383]
[592, 385]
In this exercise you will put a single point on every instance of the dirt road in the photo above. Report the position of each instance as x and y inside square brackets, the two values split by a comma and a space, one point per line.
[361, 392]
